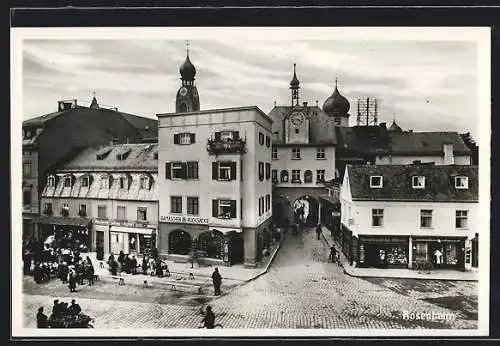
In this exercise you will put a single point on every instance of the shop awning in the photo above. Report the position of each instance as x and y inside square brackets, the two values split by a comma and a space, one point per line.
[64, 221]
[225, 230]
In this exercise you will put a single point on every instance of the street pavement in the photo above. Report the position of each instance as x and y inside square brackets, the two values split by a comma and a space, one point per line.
[301, 290]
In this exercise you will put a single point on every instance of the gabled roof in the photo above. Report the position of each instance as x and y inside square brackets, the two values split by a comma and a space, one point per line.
[140, 157]
[397, 183]
[146, 126]
[376, 140]
[321, 126]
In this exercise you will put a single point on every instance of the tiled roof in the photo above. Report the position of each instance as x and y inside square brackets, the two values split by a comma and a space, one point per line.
[374, 140]
[141, 157]
[397, 183]
[146, 126]
[321, 126]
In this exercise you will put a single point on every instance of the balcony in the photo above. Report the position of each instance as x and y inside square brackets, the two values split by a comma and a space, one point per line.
[226, 146]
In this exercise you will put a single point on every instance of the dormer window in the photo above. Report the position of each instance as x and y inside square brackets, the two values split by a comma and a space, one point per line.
[51, 181]
[105, 182]
[85, 181]
[123, 155]
[144, 183]
[101, 155]
[461, 182]
[122, 181]
[375, 181]
[67, 181]
[418, 182]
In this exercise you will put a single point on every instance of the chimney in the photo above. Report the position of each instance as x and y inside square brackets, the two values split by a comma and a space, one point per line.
[448, 158]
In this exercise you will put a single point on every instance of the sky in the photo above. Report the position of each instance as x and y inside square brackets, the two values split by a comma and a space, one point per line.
[424, 85]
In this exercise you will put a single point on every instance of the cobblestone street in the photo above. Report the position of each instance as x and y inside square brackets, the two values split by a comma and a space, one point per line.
[300, 290]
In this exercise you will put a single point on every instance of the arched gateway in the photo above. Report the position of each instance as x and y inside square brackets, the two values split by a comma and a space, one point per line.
[305, 210]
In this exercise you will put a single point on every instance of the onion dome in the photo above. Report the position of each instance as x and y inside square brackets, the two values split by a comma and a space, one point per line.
[336, 103]
[294, 83]
[187, 69]
[394, 127]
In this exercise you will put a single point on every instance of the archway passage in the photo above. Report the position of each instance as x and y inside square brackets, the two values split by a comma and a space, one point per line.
[305, 210]
[236, 248]
[179, 242]
[211, 244]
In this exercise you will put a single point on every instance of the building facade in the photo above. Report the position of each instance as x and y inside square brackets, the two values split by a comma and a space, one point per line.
[304, 154]
[105, 197]
[214, 182]
[76, 126]
[402, 215]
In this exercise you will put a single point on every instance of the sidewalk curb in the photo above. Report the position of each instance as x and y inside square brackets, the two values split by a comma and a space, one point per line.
[273, 256]
[350, 273]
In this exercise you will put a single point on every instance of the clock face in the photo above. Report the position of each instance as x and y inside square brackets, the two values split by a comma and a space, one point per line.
[183, 91]
[297, 118]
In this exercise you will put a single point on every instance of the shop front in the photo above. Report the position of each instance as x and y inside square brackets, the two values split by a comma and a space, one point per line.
[131, 240]
[383, 251]
[67, 232]
[441, 252]
[330, 215]
[346, 241]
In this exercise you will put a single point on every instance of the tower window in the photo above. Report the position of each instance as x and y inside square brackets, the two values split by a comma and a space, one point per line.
[183, 107]
[295, 153]
[296, 131]
[320, 153]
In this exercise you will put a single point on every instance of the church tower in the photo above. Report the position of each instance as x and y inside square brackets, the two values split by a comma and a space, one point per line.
[294, 87]
[187, 99]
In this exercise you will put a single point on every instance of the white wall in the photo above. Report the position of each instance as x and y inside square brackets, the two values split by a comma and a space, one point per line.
[407, 160]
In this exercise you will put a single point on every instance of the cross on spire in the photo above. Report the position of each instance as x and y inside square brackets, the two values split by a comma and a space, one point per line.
[93, 93]
[187, 47]
[336, 81]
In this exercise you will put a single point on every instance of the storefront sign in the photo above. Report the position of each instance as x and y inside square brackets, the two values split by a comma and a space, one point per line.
[397, 240]
[184, 219]
[442, 240]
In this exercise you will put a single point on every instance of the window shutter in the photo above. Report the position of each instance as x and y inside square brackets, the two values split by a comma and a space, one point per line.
[168, 170]
[184, 170]
[215, 208]
[241, 208]
[233, 170]
[215, 170]
[193, 138]
[241, 169]
[217, 136]
[268, 170]
[233, 209]
[195, 164]
[176, 138]
[236, 135]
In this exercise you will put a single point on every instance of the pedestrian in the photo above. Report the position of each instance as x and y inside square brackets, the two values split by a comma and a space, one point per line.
[145, 265]
[209, 319]
[333, 254]
[113, 267]
[89, 273]
[217, 280]
[55, 308]
[27, 263]
[133, 264]
[72, 281]
[41, 319]
[318, 231]
[74, 308]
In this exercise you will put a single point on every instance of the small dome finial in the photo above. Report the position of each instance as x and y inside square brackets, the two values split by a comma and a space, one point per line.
[187, 47]
[336, 82]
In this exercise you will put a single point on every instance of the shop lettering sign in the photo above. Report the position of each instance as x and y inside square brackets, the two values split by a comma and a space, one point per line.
[383, 240]
[443, 240]
[184, 219]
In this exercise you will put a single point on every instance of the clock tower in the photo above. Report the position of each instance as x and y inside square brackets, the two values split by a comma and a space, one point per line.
[187, 99]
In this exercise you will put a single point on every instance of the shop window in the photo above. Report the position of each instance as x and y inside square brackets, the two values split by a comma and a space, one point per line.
[308, 176]
[320, 153]
[320, 176]
[179, 242]
[377, 217]
[51, 181]
[212, 244]
[284, 176]
[145, 242]
[274, 175]
[184, 138]
[141, 214]
[295, 175]
[421, 252]
[193, 205]
[268, 170]
[67, 181]
[450, 254]
[274, 153]
[192, 170]
[224, 209]
[418, 182]
[121, 213]
[375, 181]
[295, 153]
[462, 182]
[425, 218]
[397, 255]
[224, 171]
[101, 212]
[176, 204]
[132, 242]
[461, 218]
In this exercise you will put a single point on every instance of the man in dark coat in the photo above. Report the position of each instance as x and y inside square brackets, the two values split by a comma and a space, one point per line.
[113, 267]
[72, 281]
[89, 273]
[217, 280]
[41, 319]
[133, 265]
[318, 231]
[333, 254]
[209, 319]
[27, 263]
[74, 308]
[55, 308]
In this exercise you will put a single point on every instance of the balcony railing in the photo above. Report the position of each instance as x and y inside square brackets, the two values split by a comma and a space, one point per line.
[234, 146]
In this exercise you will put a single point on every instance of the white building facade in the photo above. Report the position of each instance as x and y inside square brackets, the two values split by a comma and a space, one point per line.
[399, 216]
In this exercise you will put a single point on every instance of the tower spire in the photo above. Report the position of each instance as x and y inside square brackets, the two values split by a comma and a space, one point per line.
[187, 47]
[294, 86]
[94, 104]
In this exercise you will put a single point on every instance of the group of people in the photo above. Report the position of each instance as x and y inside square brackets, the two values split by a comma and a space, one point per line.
[62, 316]
[127, 263]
